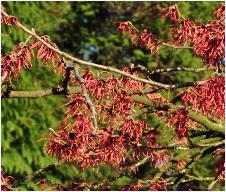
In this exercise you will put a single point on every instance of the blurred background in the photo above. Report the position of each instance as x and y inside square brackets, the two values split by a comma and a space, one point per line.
[86, 30]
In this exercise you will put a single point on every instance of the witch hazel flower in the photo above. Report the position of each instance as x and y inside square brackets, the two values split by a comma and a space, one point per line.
[207, 97]
[7, 19]
[147, 39]
[45, 54]
[207, 40]
[184, 32]
[14, 62]
[172, 12]
[126, 27]
[220, 12]
[208, 43]
[179, 120]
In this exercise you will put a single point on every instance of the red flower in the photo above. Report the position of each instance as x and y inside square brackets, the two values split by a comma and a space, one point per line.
[147, 40]
[131, 84]
[96, 87]
[219, 12]
[111, 84]
[158, 185]
[179, 120]
[207, 40]
[180, 164]
[132, 32]
[9, 20]
[208, 43]
[172, 12]
[112, 149]
[133, 129]
[184, 32]
[121, 104]
[76, 106]
[45, 54]
[207, 98]
[14, 62]
[122, 26]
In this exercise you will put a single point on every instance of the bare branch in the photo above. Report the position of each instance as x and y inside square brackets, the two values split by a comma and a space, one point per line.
[200, 178]
[170, 69]
[176, 46]
[41, 93]
[171, 87]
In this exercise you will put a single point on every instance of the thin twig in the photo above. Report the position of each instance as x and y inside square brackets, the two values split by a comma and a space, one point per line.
[170, 69]
[176, 46]
[200, 178]
[87, 98]
[211, 185]
[170, 147]
[35, 174]
[41, 93]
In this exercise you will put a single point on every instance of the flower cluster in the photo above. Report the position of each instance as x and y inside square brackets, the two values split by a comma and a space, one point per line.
[45, 54]
[219, 12]
[208, 40]
[184, 32]
[127, 27]
[121, 137]
[179, 120]
[14, 62]
[207, 97]
[147, 40]
[172, 12]
[118, 132]
[22, 55]
[209, 43]
[9, 20]
[144, 39]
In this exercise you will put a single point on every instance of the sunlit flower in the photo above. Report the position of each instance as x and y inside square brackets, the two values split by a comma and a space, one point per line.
[172, 12]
